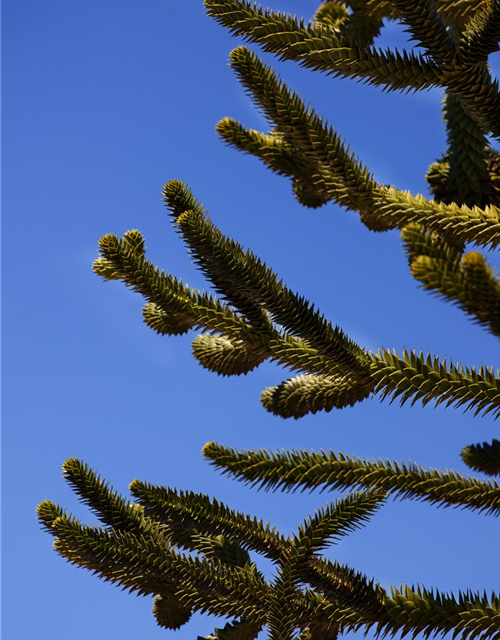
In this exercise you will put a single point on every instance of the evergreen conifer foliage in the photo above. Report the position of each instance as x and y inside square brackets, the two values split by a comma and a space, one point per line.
[191, 552]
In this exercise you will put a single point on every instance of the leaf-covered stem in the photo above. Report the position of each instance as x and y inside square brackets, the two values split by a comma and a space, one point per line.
[303, 470]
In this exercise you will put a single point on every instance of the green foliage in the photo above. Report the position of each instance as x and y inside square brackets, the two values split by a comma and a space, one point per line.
[482, 33]
[483, 457]
[312, 393]
[317, 46]
[193, 553]
[329, 470]
[422, 378]
[185, 549]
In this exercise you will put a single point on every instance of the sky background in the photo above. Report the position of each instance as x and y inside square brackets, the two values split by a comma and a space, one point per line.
[103, 102]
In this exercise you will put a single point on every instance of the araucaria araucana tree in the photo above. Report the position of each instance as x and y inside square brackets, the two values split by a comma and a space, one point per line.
[191, 552]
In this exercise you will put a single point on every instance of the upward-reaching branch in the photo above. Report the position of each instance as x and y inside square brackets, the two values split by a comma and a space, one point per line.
[247, 283]
[321, 149]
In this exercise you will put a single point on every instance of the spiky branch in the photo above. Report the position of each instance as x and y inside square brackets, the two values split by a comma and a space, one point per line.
[164, 546]
[192, 552]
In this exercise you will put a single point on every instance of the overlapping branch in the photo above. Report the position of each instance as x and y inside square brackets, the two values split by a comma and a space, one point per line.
[447, 64]
[309, 595]
[318, 47]
[467, 281]
[192, 553]
[262, 318]
[303, 146]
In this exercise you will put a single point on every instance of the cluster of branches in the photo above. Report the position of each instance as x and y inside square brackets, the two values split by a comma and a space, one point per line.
[191, 552]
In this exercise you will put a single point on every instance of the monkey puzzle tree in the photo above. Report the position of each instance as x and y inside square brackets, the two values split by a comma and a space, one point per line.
[192, 552]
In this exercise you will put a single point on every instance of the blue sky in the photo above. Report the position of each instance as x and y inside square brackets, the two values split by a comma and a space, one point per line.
[103, 102]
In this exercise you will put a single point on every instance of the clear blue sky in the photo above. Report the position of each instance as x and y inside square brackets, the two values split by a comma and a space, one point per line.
[103, 102]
